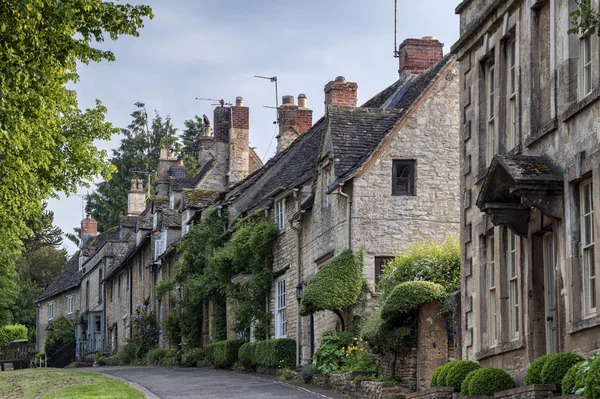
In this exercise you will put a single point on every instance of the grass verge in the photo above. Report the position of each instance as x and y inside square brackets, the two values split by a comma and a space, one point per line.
[48, 383]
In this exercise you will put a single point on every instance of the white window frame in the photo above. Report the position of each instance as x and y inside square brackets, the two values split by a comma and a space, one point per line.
[138, 237]
[155, 221]
[172, 201]
[50, 310]
[492, 292]
[80, 262]
[185, 217]
[280, 309]
[585, 65]
[280, 214]
[70, 304]
[490, 113]
[513, 267]
[511, 90]
[586, 207]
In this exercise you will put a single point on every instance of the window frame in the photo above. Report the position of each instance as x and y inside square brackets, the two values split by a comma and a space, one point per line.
[588, 271]
[585, 64]
[412, 178]
[281, 327]
[491, 291]
[490, 112]
[511, 90]
[280, 214]
[50, 310]
[379, 263]
[513, 254]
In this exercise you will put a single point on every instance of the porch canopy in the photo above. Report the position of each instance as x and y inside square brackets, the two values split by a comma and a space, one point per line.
[516, 183]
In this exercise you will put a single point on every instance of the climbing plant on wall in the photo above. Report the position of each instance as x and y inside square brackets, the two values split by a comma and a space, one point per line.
[336, 286]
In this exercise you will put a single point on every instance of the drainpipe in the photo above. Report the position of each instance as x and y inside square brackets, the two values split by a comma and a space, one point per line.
[299, 277]
[348, 204]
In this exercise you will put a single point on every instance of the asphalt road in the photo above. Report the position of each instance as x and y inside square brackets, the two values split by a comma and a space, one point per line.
[176, 383]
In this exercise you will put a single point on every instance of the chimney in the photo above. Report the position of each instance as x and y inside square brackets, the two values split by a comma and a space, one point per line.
[165, 162]
[136, 199]
[89, 229]
[418, 55]
[239, 145]
[293, 119]
[340, 92]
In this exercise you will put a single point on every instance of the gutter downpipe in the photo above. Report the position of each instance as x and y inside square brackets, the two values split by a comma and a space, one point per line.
[348, 204]
[297, 229]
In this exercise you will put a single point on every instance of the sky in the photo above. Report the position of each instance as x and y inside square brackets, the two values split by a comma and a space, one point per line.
[213, 49]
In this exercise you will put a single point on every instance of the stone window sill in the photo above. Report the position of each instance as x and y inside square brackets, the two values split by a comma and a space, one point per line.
[581, 105]
[543, 131]
[584, 324]
[500, 348]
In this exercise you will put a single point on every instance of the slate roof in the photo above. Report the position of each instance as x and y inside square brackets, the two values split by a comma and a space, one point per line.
[69, 277]
[183, 182]
[291, 167]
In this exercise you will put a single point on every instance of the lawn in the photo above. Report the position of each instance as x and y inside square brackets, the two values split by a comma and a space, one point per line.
[48, 383]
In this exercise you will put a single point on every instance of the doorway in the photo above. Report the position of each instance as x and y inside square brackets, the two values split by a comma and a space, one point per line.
[550, 292]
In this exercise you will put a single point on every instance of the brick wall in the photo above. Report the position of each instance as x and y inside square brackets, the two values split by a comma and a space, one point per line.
[340, 92]
[418, 55]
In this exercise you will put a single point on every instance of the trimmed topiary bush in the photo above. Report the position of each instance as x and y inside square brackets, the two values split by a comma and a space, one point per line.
[487, 381]
[441, 380]
[534, 372]
[246, 355]
[406, 298]
[592, 380]
[573, 380]
[193, 356]
[457, 371]
[283, 352]
[275, 353]
[434, 377]
[224, 353]
[556, 367]
[464, 389]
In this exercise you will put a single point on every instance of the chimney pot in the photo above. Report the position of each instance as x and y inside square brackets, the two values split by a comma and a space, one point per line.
[288, 100]
[302, 100]
[239, 101]
[341, 93]
[428, 38]
[340, 79]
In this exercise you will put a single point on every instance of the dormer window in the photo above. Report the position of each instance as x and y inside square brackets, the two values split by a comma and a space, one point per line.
[80, 262]
[326, 182]
[280, 214]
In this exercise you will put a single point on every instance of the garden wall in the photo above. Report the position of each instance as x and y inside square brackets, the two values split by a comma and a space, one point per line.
[525, 392]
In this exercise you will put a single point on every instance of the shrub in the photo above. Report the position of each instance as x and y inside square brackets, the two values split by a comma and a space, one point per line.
[489, 380]
[286, 374]
[223, 353]
[435, 377]
[441, 380]
[155, 356]
[592, 380]
[533, 375]
[12, 332]
[425, 261]
[336, 286]
[573, 380]
[193, 356]
[246, 355]
[128, 353]
[457, 371]
[357, 359]
[283, 349]
[308, 372]
[556, 367]
[62, 331]
[171, 358]
[464, 388]
[406, 298]
[145, 330]
[329, 356]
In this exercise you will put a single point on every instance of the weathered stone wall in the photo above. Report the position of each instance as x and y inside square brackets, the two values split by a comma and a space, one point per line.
[552, 121]
[433, 349]
[59, 309]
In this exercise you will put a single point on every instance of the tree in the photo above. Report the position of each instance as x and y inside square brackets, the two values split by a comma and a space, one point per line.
[46, 140]
[136, 157]
[43, 231]
[585, 19]
[194, 128]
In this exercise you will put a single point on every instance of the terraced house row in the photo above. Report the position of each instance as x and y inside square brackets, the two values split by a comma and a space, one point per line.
[374, 178]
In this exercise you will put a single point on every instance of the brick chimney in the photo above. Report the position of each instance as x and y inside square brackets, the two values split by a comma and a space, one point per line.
[340, 92]
[418, 55]
[136, 198]
[293, 120]
[239, 145]
[89, 229]
[165, 162]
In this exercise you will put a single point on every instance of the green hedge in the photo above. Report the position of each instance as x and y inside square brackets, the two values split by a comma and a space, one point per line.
[193, 356]
[487, 381]
[223, 353]
[155, 356]
[275, 353]
[336, 286]
[573, 380]
[464, 389]
[457, 372]
[407, 297]
[12, 332]
[533, 375]
[557, 366]
[592, 380]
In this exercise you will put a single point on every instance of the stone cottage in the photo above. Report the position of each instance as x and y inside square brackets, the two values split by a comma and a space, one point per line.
[529, 182]
[378, 178]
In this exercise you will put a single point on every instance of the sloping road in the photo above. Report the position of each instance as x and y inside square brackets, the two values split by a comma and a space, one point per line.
[176, 383]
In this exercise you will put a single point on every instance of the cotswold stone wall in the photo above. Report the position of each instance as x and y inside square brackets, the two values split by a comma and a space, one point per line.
[60, 309]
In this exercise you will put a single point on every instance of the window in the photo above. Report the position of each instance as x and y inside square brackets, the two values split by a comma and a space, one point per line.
[280, 315]
[280, 214]
[80, 262]
[585, 64]
[100, 286]
[586, 199]
[159, 247]
[138, 237]
[325, 182]
[491, 293]
[403, 177]
[512, 261]
[490, 114]
[185, 217]
[380, 262]
[87, 295]
[129, 274]
[50, 310]
[512, 132]
[172, 201]
[155, 221]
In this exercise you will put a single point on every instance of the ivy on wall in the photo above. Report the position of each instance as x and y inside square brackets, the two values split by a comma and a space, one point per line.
[336, 286]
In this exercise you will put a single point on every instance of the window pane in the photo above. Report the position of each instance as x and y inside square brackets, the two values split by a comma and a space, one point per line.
[403, 178]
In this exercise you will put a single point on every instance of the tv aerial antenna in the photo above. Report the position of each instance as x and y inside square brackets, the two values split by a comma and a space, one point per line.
[220, 102]
[396, 52]
[274, 80]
